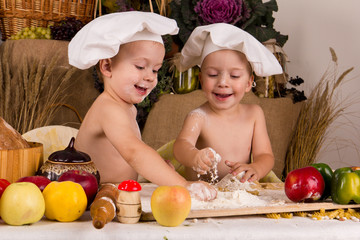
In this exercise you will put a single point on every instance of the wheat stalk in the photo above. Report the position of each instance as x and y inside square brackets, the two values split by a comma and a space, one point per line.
[29, 94]
[318, 113]
[162, 6]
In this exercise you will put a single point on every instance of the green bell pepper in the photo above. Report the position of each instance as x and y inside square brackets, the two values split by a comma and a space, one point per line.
[345, 185]
[327, 174]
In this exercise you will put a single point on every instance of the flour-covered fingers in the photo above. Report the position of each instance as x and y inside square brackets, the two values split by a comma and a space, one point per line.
[199, 170]
[249, 175]
[214, 157]
[203, 161]
[235, 167]
[202, 191]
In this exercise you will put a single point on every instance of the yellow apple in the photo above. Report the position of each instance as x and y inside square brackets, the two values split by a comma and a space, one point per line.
[22, 203]
[170, 205]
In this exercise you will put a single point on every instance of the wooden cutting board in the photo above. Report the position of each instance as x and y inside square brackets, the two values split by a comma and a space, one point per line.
[205, 213]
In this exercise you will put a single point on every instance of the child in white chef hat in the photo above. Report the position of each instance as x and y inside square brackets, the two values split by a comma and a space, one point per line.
[223, 132]
[129, 51]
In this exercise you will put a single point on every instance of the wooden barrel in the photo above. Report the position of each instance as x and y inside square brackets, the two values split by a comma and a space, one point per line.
[128, 207]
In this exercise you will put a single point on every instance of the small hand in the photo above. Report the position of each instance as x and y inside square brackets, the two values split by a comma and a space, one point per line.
[236, 168]
[202, 191]
[205, 160]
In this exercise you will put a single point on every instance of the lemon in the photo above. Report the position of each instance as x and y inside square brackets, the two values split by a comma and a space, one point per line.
[64, 201]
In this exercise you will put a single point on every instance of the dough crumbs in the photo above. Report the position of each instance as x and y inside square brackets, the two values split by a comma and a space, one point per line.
[234, 194]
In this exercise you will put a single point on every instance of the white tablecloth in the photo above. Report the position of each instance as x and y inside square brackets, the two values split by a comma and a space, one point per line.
[244, 228]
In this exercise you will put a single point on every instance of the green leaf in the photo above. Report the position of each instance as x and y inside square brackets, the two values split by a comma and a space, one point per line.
[250, 21]
[257, 7]
[271, 6]
[262, 34]
[281, 39]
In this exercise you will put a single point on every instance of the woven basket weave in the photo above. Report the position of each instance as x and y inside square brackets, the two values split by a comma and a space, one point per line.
[17, 14]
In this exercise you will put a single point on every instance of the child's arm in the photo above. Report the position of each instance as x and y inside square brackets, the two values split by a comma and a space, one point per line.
[185, 150]
[263, 158]
[121, 132]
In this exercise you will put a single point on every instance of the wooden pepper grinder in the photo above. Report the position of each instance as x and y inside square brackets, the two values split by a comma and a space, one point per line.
[128, 203]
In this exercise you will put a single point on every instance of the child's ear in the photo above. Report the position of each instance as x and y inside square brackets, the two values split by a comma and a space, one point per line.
[250, 83]
[105, 67]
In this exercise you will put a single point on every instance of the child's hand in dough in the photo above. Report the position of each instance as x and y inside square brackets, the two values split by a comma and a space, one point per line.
[202, 191]
[205, 160]
[249, 172]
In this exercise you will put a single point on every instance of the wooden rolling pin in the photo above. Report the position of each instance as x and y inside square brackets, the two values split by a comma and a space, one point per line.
[103, 209]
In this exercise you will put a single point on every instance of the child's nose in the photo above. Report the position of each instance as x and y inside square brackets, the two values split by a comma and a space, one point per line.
[223, 81]
[150, 76]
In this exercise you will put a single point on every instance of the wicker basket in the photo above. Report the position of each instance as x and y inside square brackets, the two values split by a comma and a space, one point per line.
[17, 14]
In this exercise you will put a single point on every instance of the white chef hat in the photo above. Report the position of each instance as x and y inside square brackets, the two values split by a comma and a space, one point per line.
[210, 38]
[101, 38]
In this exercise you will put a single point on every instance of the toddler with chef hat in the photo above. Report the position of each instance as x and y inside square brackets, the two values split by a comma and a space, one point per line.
[223, 134]
[128, 50]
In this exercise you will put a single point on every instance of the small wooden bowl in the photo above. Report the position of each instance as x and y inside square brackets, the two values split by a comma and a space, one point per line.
[17, 163]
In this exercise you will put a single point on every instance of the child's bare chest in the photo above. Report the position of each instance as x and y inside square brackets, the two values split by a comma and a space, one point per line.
[230, 136]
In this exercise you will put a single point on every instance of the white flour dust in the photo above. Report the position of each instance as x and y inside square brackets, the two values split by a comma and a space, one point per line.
[237, 199]
[234, 194]
[199, 113]
[213, 171]
[226, 199]
[199, 190]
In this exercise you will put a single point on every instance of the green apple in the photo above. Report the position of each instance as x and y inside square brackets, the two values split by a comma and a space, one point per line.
[22, 203]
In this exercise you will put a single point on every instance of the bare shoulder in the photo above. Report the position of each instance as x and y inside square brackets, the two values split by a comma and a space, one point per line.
[104, 107]
[200, 112]
[253, 110]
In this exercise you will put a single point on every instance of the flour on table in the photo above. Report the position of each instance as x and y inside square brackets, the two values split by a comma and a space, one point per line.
[234, 194]
[242, 196]
[237, 199]
[231, 183]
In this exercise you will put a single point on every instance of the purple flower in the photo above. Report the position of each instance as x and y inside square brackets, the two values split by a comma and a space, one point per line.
[225, 11]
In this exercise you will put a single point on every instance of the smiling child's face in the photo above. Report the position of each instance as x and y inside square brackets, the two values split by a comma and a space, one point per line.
[225, 78]
[134, 70]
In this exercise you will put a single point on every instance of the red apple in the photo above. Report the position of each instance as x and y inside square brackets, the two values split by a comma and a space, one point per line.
[304, 185]
[85, 179]
[3, 184]
[39, 181]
